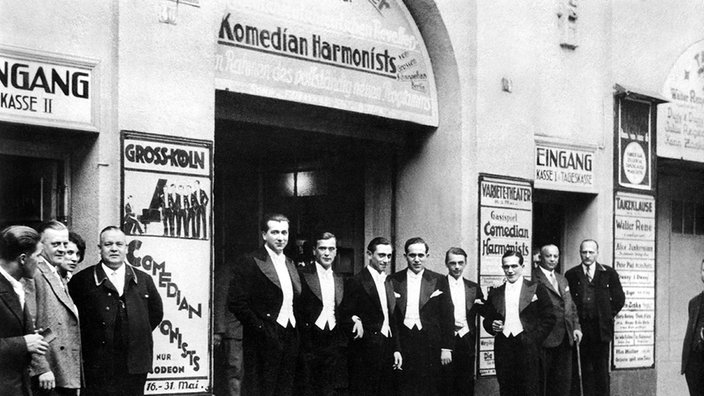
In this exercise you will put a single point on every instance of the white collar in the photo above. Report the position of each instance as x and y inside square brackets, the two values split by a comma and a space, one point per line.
[547, 273]
[413, 275]
[376, 275]
[454, 281]
[323, 270]
[119, 271]
[516, 284]
[272, 253]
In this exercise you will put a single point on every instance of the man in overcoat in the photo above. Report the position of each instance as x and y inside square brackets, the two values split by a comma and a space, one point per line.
[119, 307]
[597, 292]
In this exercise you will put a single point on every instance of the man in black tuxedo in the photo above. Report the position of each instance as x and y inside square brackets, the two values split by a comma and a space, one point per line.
[374, 351]
[184, 206]
[557, 347]
[323, 341]
[597, 292]
[167, 211]
[201, 198]
[264, 292]
[519, 314]
[425, 322]
[467, 302]
[693, 347]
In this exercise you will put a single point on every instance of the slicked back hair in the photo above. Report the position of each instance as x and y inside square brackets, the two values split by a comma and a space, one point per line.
[513, 253]
[456, 251]
[16, 240]
[371, 247]
[413, 241]
[264, 225]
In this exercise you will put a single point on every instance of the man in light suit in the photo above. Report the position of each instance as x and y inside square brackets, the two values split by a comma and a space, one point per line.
[323, 342]
[19, 252]
[425, 321]
[264, 294]
[467, 302]
[367, 308]
[59, 371]
[519, 314]
[557, 348]
[597, 292]
[693, 347]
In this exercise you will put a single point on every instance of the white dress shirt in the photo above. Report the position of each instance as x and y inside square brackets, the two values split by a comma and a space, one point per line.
[412, 317]
[457, 292]
[117, 277]
[17, 286]
[379, 279]
[286, 312]
[327, 289]
[512, 324]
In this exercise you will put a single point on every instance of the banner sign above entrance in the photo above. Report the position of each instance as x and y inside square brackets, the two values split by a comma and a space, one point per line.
[681, 122]
[46, 90]
[361, 56]
[563, 168]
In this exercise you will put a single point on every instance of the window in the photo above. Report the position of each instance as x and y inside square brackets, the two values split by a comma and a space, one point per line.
[687, 217]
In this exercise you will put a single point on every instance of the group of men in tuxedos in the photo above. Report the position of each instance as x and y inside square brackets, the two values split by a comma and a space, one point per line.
[306, 331]
[183, 211]
[309, 332]
[92, 334]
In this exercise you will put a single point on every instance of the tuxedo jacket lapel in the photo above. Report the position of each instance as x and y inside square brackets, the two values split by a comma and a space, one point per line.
[293, 273]
[403, 292]
[370, 287]
[339, 288]
[470, 295]
[500, 301]
[267, 267]
[527, 293]
[314, 283]
[427, 286]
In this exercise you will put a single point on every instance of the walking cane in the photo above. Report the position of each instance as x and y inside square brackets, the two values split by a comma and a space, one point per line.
[579, 370]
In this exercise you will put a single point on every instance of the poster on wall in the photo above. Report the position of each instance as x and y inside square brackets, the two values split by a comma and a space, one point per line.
[505, 223]
[361, 56]
[634, 260]
[635, 157]
[681, 121]
[166, 215]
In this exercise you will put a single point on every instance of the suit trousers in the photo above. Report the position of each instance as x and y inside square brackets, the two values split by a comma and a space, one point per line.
[421, 363]
[458, 377]
[371, 361]
[228, 368]
[270, 361]
[517, 365]
[556, 369]
[694, 373]
[595, 362]
[324, 367]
